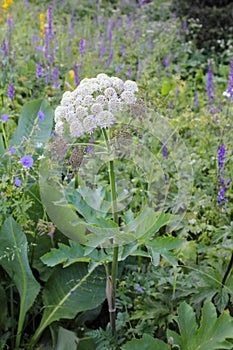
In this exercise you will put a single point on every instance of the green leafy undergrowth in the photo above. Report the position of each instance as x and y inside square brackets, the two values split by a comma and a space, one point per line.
[147, 342]
[211, 334]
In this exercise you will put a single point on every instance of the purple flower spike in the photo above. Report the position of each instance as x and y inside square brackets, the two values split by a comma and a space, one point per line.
[223, 185]
[27, 161]
[40, 115]
[5, 117]
[164, 151]
[39, 70]
[11, 91]
[17, 182]
[81, 46]
[221, 157]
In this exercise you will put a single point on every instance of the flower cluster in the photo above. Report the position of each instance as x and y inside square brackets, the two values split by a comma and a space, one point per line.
[93, 104]
[221, 199]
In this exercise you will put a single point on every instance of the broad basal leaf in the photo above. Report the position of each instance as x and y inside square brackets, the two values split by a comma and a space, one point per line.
[14, 260]
[69, 291]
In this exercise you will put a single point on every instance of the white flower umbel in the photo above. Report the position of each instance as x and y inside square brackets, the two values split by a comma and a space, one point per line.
[93, 104]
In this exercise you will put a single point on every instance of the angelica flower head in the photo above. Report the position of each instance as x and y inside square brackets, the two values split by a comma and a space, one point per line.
[93, 104]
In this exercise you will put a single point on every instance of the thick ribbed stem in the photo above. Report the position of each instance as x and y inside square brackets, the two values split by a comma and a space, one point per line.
[112, 280]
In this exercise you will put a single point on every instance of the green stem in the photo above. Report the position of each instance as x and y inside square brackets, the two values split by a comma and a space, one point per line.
[4, 136]
[12, 314]
[228, 270]
[113, 280]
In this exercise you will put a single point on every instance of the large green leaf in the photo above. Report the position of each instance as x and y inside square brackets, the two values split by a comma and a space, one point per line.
[147, 342]
[14, 260]
[211, 334]
[69, 291]
[61, 216]
[27, 120]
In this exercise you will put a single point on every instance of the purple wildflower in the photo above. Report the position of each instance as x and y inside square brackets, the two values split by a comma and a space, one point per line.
[136, 35]
[4, 48]
[123, 51]
[164, 151]
[81, 47]
[76, 77]
[221, 196]
[90, 148]
[46, 44]
[129, 73]
[51, 58]
[33, 39]
[221, 158]
[68, 49]
[109, 32]
[39, 48]
[9, 22]
[139, 289]
[196, 101]
[209, 83]
[27, 161]
[139, 69]
[52, 230]
[4, 117]
[40, 115]
[117, 68]
[11, 91]
[17, 182]
[11, 150]
[50, 21]
[102, 48]
[55, 76]
[39, 70]
[47, 75]
[165, 61]
[110, 57]
[221, 199]
[151, 44]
